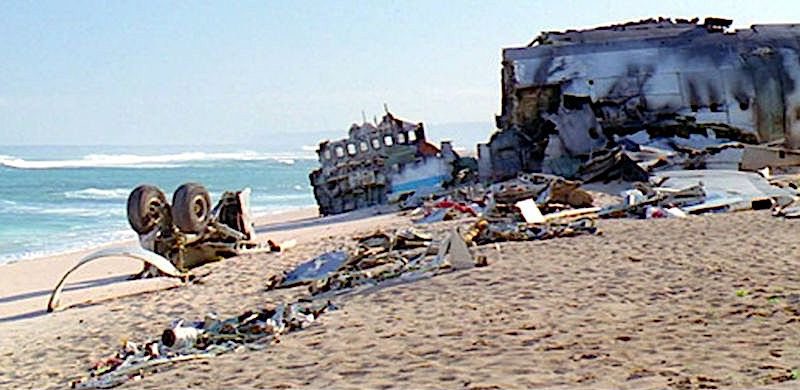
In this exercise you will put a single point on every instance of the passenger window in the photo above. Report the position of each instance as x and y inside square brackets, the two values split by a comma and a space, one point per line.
[376, 144]
[412, 136]
[339, 152]
[363, 145]
[351, 149]
[326, 154]
[401, 138]
[388, 140]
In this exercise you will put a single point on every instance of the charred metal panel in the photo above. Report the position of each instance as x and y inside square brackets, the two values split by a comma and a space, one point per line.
[663, 76]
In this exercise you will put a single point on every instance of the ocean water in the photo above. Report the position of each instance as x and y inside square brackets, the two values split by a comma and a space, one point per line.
[62, 198]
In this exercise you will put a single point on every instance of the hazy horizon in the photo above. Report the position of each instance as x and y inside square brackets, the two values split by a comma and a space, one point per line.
[468, 134]
[154, 73]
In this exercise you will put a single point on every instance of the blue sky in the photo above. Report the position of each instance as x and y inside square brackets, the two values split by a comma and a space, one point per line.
[145, 72]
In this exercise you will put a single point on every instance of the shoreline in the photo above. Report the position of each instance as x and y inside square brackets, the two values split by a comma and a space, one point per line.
[258, 220]
[25, 285]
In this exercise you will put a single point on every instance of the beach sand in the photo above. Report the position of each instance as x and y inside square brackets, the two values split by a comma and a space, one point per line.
[703, 302]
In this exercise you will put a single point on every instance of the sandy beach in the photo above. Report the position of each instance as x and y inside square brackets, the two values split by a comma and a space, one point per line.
[702, 302]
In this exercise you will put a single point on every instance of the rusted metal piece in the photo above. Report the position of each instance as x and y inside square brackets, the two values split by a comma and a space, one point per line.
[382, 162]
[568, 95]
[546, 190]
[488, 232]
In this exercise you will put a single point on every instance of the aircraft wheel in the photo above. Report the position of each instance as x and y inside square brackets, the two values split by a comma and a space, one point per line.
[191, 208]
[145, 203]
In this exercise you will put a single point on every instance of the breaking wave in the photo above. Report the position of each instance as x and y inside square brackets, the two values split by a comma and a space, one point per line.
[84, 212]
[9, 207]
[98, 194]
[155, 161]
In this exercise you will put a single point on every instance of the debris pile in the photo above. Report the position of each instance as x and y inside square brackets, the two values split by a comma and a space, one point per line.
[551, 193]
[679, 193]
[533, 207]
[200, 340]
[484, 232]
[408, 255]
[541, 206]
[446, 209]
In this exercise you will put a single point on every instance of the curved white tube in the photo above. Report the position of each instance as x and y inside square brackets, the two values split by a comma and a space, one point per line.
[148, 257]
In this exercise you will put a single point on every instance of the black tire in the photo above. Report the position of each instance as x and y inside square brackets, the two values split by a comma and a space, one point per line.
[191, 208]
[145, 207]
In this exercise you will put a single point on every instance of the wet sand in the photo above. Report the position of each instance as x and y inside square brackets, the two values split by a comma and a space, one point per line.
[702, 302]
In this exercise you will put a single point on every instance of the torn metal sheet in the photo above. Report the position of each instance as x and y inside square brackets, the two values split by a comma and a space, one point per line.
[458, 255]
[611, 164]
[316, 269]
[148, 257]
[578, 130]
[661, 153]
[755, 157]
[727, 190]
[437, 215]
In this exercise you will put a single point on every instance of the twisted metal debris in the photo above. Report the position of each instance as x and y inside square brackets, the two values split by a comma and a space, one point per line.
[379, 257]
[200, 340]
[485, 232]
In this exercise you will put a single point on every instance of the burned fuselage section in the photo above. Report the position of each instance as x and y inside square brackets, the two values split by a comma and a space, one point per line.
[377, 161]
[569, 95]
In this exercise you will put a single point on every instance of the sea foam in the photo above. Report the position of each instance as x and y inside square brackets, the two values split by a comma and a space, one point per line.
[98, 194]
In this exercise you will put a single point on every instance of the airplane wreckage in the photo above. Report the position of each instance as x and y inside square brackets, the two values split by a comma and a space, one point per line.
[570, 98]
[186, 234]
[382, 162]
[614, 102]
